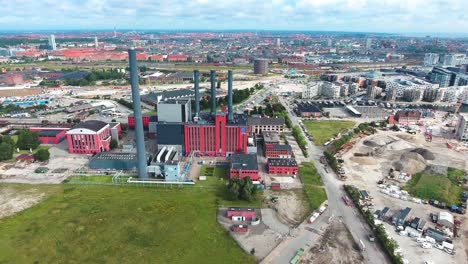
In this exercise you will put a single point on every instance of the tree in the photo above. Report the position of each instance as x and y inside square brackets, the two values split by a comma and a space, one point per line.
[372, 124]
[42, 155]
[27, 140]
[6, 151]
[92, 112]
[218, 85]
[233, 189]
[69, 121]
[76, 121]
[383, 124]
[113, 144]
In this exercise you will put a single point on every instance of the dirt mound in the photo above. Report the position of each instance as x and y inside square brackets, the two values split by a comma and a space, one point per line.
[410, 162]
[425, 153]
[399, 145]
[363, 160]
[378, 141]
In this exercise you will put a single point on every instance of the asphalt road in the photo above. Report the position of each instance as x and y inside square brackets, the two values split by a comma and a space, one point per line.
[337, 208]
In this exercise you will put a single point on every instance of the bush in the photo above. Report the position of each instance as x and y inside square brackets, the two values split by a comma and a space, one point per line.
[113, 144]
[27, 140]
[6, 151]
[42, 155]
[241, 189]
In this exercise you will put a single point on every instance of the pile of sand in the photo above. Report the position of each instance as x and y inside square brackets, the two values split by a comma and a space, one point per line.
[399, 145]
[425, 153]
[378, 141]
[410, 162]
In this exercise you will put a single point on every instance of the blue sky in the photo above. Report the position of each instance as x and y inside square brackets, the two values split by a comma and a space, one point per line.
[401, 16]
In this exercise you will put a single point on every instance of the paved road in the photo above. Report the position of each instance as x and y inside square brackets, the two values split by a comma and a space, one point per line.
[336, 207]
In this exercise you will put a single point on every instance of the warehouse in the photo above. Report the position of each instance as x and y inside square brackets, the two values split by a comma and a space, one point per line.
[47, 135]
[282, 166]
[244, 165]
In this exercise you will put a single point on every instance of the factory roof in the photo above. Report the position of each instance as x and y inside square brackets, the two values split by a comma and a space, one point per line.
[270, 136]
[175, 101]
[281, 147]
[94, 125]
[282, 163]
[79, 108]
[265, 121]
[48, 133]
[206, 118]
[114, 156]
[308, 108]
[244, 162]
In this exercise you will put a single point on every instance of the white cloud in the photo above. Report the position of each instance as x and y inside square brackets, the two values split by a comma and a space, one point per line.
[350, 15]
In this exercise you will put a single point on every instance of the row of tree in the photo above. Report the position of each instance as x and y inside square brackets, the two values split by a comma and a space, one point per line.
[26, 141]
[238, 96]
[300, 139]
[241, 189]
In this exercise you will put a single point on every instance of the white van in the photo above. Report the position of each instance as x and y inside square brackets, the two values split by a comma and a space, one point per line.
[426, 245]
[403, 233]
[421, 240]
[430, 240]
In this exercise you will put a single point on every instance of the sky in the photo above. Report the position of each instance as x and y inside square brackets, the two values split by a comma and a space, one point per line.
[392, 16]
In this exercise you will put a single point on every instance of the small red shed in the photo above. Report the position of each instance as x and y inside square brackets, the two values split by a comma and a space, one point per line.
[248, 213]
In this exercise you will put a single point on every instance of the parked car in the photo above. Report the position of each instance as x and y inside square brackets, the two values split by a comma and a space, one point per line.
[371, 238]
[346, 200]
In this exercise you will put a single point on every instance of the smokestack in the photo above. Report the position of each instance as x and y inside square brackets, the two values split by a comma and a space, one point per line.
[230, 111]
[196, 81]
[140, 137]
[213, 91]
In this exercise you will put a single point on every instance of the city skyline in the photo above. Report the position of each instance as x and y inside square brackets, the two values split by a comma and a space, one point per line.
[403, 17]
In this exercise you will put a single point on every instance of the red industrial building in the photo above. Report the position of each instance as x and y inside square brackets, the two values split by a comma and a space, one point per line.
[278, 151]
[405, 117]
[50, 135]
[216, 138]
[244, 165]
[89, 137]
[282, 166]
[131, 121]
[247, 213]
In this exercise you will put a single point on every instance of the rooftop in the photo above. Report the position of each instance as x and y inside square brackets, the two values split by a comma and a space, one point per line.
[244, 162]
[114, 156]
[282, 163]
[269, 136]
[94, 125]
[282, 147]
[48, 133]
[306, 107]
[265, 121]
[407, 113]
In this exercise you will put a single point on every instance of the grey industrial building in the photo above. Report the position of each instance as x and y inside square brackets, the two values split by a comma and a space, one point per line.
[178, 110]
[165, 165]
[114, 161]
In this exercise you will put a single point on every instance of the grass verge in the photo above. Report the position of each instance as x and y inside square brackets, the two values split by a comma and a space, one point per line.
[313, 185]
[323, 130]
[443, 188]
[115, 224]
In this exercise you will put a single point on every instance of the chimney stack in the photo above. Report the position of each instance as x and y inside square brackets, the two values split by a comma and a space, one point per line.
[196, 81]
[140, 137]
[213, 91]
[230, 111]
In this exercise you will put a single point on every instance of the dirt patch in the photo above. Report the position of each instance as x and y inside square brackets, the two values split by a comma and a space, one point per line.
[335, 246]
[290, 205]
[12, 201]
[363, 160]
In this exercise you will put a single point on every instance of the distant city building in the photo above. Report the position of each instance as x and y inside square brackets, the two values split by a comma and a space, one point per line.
[373, 92]
[52, 43]
[368, 43]
[261, 66]
[399, 86]
[308, 110]
[311, 90]
[353, 88]
[431, 59]
[96, 43]
[405, 117]
[329, 42]
[412, 95]
[331, 89]
[433, 94]
[442, 76]
[453, 59]
[462, 127]
[278, 42]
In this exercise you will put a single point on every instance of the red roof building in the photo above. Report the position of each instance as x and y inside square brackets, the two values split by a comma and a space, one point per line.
[177, 58]
[405, 117]
[50, 135]
[89, 137]
[282, 166]
[248, 213]
[131, 121]
[155, 57]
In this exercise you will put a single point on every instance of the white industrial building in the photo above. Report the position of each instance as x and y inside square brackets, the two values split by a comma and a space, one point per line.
[397, 87]
[462, 127]
[431, 59]
[311, 90]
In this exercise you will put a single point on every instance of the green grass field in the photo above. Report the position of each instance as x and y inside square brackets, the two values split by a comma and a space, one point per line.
[89, 179]
[313, 185]
[437, 187]
[323, 130]
[115, 224]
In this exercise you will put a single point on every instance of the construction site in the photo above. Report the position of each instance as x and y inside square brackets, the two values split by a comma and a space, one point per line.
[398, 170]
